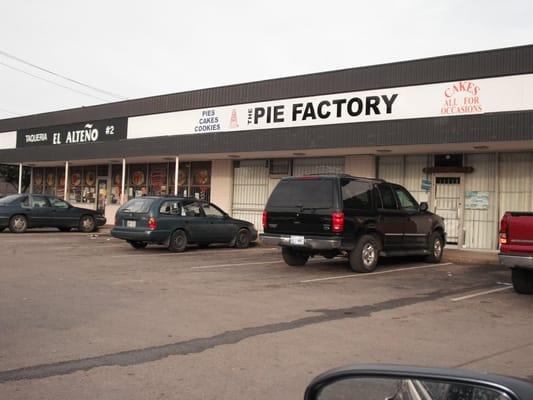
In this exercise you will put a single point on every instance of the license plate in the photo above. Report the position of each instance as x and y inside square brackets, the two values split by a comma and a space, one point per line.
[297, 240]
[131, 224]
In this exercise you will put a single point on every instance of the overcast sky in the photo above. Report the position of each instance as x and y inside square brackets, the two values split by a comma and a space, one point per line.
[143, 48]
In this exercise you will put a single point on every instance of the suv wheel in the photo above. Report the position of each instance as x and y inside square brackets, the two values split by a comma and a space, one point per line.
[522, 280]
[177, 242]
[293, 257]
[364, 257]
[436, 247]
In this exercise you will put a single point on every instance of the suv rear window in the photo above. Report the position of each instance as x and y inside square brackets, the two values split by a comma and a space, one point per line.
[137, 205]
[313, 193]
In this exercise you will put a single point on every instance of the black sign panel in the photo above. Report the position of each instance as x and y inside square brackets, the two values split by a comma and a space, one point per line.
[79, 133]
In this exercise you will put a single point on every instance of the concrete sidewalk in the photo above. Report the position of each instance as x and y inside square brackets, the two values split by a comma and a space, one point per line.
[469, 256]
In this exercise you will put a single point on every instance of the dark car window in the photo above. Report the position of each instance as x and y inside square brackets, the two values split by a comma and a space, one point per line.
[356, 194]
[192, 209]
[57, 203]
[387, 197]
[25, 201]
[406, 200]
[315, 193]
[140, 206]
[171, 207]
[10, 199]
[212, 211]
[39, 202]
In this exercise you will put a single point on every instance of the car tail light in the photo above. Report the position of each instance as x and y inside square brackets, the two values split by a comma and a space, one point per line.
[337, 222]
[152, 223]
[265, 219]
[504, 229]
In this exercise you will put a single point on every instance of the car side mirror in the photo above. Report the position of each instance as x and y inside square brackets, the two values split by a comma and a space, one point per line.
[396, 382]
[423, 206]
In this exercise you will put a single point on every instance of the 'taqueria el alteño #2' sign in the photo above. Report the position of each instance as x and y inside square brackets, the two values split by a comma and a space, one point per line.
[83, 132]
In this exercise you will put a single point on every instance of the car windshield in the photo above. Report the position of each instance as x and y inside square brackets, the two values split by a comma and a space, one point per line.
[10, 199]
[305, 193]
[141, 205]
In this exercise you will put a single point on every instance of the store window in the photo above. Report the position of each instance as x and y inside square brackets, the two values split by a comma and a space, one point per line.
[158, 182]
[200, 179]
[38, 180]
[50, 181]
[116, 183]
[194, 179]
[138, 185]
[82, 188]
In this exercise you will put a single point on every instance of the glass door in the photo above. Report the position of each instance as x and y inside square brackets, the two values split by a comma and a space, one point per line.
[101, 199]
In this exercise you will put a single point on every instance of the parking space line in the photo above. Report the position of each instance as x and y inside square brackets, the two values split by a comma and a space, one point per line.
[237, 265]
[189, 253]
[389, 271]
[471, 296]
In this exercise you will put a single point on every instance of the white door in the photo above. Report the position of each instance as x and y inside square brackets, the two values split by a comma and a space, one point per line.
[447, 202]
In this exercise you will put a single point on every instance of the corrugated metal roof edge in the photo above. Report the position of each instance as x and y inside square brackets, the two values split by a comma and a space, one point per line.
[25, 122]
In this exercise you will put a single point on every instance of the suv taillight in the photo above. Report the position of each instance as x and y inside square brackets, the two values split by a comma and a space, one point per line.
[337, 222]
[152, 223]
[265, 219]
[504, 229]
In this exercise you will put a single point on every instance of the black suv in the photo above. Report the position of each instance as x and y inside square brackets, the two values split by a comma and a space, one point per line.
[359, 218]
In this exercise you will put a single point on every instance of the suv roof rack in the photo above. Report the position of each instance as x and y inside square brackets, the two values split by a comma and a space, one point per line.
[342, 175]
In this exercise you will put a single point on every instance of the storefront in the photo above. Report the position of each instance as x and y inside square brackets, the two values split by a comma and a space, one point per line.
[457, 131]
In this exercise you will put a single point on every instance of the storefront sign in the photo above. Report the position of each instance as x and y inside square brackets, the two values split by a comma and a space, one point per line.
[426, 185]
[448, 99]
[476, 200]
[83, 132]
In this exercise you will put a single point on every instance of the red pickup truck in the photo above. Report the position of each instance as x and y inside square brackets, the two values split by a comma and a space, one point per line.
[516, 249]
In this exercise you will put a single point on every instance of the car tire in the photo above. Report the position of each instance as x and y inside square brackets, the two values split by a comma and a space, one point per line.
[177, 242]
[522, 280]
[364, 257]
[435, 248]
[64, 229]
[18, 224]
[87, 224]
[137, 245]
[242, 240]
[294, 258]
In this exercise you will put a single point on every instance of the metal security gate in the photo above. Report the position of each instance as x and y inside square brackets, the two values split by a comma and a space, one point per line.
[250, 190]
[448, 203]
[306, 166]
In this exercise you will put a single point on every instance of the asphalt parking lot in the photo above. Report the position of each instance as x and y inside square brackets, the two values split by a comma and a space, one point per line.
[86, 317]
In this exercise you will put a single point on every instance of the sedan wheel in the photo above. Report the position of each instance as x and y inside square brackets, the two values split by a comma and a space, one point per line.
[177, 242]
[87, 224]
[243, 239]
[18, 224]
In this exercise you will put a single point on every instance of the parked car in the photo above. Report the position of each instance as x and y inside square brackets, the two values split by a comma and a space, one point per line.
[18, 212]
[403, 382]
[176, 222]
[362, 219]
[516, 249]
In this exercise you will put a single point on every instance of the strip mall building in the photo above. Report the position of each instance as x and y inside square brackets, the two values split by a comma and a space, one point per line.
[457, 131]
